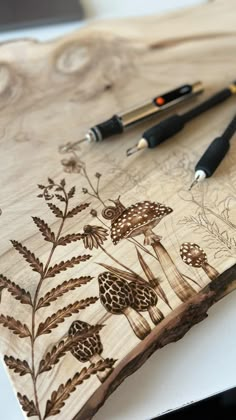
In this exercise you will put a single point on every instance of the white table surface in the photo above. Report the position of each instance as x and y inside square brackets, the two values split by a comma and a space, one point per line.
[199, 365]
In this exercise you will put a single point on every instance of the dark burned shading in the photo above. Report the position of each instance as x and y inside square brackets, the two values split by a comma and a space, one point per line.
[145, 299]
[115, 293]
[86, 347]
[137, 218]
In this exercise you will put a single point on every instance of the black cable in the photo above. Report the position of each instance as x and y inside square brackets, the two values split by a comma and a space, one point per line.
[230, 130]
[206, 105]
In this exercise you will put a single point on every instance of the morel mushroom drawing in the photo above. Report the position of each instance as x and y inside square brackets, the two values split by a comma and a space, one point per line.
[88, 349]
[141, 218]
[145, 299]
[116, 295]
[194, 256]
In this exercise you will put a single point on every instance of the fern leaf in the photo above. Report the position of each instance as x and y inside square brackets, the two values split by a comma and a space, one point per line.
[55, 210]
[71, 193]
[60, 290]
[44, 229]
[15, 326]
[57, 318]
[60, 198]
[64, 265]
[15, 290]
[58, 397]
[27, 405]
[29, 256]
[72, 237]
[77, 209]
[17, 365]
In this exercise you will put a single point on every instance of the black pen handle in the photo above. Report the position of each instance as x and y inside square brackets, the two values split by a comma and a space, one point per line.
[213, 156]
[216, 151]
[206, 105]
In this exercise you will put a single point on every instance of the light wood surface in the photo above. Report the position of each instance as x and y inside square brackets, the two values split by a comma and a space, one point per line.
[59, 264]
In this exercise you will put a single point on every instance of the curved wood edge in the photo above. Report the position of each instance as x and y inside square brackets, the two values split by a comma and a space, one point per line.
[172, 329]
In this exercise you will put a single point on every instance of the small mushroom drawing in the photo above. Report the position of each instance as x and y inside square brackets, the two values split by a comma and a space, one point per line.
[193, 255]
[117, 298]
[145, 299]
[141, 218]
[88, 349]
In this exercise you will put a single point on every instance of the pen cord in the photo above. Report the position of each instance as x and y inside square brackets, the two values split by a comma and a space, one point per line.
[230, 130]
[204, 106]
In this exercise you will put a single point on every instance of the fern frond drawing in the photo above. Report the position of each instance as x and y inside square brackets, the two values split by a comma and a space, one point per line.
[33, 331]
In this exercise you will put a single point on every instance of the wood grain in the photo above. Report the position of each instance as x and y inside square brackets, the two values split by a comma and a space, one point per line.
[82, 304]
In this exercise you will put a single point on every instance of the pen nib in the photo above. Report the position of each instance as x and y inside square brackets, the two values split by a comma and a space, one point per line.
[132, 150]
[68, 147]
[195, 182]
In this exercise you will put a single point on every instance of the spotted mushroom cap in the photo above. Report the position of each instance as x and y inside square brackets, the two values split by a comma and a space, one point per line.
[86, 347]
[192, 254]
[135, 217]
[144, 296]
[115, 293]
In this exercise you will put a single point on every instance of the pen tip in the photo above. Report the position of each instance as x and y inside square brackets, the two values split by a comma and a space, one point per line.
[192, 185]
[68, 147]
[195, 182]
[132, 150]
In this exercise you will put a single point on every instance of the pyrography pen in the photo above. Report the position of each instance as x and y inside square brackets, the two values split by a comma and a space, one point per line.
[214, 154]
[175, 123]
[119, 123]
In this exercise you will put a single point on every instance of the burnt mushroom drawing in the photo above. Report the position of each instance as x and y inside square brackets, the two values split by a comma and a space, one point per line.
[116, 296]
[193, 255]
[88, 349]
[145, 299]
[141, 218]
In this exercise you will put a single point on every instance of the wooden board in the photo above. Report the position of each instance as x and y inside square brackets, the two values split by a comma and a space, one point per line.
[128, 299]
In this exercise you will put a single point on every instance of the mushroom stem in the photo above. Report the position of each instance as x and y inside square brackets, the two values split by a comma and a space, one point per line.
[180, 286]
[210, 271]
[155, 314]
[102, 376]
[138, 323]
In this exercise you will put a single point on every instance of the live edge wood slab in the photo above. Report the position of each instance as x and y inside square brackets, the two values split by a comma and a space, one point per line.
[110, 258]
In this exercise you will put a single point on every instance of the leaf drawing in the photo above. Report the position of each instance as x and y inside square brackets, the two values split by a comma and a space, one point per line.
[15, 290]
[57, 318]
[27, 405]
[59, 350]
[63, 288]
[32, 407]
[71, 193]
[58, 397]
[44, 229]
[63, 265]
[19, 366]
[50, 180]
[77, 209]
[15, 326]
[56, 211]
[72, 237]
[146, 269]
[154, 282]
[60, 197]
[29, 256]
[123, 274]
